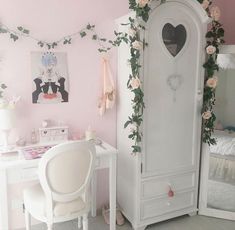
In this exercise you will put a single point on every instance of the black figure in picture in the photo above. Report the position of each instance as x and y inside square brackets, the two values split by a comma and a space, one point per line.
[50, 85]
[38, 90]
[63, 92]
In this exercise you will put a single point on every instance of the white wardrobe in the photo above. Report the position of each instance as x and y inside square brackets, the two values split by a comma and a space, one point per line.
[172, 77]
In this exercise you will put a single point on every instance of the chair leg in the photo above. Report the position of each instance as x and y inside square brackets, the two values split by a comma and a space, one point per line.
[49, 226]
[27, 220]
[79, 222]
[85, 222]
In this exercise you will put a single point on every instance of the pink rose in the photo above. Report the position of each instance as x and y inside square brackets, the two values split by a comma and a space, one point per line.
[132, 32]
[210, 49]
[215, 13]
[135, 83]
[205, 4]
[137, 45]
[206, 115]
[212, 82]
[142, 3]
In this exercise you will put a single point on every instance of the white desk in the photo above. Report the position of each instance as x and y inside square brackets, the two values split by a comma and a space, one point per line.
[19, 170]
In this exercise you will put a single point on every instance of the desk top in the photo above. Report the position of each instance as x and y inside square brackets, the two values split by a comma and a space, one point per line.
[14, 158]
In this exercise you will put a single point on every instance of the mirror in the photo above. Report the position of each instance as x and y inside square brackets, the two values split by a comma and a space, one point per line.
[221, 179]
[218, 169]
[174, 38]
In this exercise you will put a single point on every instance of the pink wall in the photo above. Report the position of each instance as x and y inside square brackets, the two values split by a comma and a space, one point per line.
[51, 20]
[227, 18]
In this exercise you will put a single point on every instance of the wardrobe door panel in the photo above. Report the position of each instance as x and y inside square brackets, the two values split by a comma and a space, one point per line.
[171, 83]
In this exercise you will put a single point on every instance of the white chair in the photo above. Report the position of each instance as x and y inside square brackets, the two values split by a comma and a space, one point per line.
[63, 192]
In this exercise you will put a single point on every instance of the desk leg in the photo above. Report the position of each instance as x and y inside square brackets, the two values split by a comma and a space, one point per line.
[112, 191]
[93, 194]
[4, 225]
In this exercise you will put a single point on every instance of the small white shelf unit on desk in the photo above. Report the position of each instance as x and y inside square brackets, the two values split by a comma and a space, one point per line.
[15, 169]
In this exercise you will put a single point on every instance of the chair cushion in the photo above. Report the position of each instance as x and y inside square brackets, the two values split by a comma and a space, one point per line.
[35, 203]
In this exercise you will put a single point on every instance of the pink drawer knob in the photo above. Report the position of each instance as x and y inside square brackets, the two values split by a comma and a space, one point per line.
[171, 193]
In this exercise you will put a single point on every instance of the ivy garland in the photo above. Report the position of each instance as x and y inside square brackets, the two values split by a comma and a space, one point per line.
[214, 39]
[65, 40]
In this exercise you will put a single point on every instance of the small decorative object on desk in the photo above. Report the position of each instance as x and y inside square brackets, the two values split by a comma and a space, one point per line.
[53, 134]
[21, 141]
[76, 136]
[34, 138]
[90, 134]
[46, 123]
[31, 153]
[7, 116]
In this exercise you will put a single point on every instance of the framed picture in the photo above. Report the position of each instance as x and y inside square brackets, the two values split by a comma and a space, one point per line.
[49, 77]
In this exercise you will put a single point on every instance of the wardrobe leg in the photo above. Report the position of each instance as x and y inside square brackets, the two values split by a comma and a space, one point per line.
[85, 222]
[27, 220]
[192, 214]
[79, 222]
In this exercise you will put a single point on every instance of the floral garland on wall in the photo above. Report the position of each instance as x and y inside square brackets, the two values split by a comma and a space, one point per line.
[214, 39]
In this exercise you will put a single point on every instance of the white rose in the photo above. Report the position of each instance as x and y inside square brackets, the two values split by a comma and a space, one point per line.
[206, 115]
[212, 82]
[137, 45]
[205, 4]
[210, 49]
[142, 3]
[135, 83]
[215, 13]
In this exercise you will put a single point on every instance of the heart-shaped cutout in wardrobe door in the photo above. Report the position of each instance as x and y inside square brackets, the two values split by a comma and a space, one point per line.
[174, 38]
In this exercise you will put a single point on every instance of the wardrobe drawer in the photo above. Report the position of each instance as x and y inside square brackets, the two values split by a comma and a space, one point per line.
[157, 207]
[161, 186]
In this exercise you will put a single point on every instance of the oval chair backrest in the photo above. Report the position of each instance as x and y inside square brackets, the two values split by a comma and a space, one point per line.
[65, 170]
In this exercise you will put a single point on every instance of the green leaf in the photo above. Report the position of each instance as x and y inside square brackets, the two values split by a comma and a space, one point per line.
[14, 37]
[2, 30]
[54, 44]
[209, 34]
[102, 50]
[3, 86]
[26, 31]
[126, 124]
[20, 28]
[136, 149]
[132, 4]
[220, 32]
[94, 37]
[40, 43]
[83, 34]
[88, 26]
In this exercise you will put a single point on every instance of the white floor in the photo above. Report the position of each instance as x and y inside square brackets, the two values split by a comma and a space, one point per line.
[182, 223]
